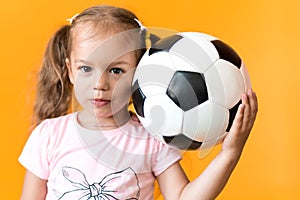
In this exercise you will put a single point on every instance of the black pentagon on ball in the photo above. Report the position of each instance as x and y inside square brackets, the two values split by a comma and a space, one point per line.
[164, 44]
[182, 142]
[232, 113]
[227, 53]
[138, 99]
[187, 89]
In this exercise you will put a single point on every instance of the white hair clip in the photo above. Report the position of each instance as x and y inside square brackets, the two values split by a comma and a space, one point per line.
[142, 27]
[70, 20]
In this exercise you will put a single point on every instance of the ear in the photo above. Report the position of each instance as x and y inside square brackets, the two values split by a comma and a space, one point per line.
[68, 64]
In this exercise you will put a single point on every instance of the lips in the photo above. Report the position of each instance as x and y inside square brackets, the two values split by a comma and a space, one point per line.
[100, 102]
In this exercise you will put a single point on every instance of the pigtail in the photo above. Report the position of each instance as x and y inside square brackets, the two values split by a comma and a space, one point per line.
[54, 88]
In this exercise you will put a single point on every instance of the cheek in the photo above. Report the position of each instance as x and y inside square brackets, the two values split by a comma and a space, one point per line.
[122, 89]
[82, 88]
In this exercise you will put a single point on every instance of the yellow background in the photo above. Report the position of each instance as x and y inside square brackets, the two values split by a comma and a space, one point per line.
[264, 32]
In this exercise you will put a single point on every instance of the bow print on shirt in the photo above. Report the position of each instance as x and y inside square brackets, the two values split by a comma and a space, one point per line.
[109, 188]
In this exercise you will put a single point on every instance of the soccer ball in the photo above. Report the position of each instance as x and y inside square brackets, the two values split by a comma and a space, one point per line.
[187, 88]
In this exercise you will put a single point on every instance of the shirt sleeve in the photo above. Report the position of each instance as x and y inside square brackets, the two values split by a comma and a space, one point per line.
[34, 156]
[165, 157]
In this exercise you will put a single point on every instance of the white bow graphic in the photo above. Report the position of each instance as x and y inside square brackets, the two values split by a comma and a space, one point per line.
[104, 190]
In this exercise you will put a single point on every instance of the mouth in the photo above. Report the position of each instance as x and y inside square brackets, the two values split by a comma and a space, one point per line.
[100, 102]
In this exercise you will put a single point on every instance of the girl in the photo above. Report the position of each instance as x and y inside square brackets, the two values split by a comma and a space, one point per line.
[99, 152]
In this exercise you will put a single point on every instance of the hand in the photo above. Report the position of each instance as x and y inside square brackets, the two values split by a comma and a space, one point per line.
[235, 140]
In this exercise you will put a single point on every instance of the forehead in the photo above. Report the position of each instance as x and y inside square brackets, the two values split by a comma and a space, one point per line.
[97, 44]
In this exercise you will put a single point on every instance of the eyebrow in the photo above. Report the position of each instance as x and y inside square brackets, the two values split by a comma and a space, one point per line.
[83, 61]
[119, 62]
[90, 63]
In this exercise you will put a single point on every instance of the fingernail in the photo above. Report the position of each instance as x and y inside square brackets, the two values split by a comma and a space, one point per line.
[250, 91]
[242, 106]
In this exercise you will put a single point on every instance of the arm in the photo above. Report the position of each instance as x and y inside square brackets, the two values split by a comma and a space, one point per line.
[173, 182]
[34, 188]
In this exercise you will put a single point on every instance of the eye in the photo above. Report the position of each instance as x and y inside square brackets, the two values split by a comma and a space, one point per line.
[116, 70]
[85, 68]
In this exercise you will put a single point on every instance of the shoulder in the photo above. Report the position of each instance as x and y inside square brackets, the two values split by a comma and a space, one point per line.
[39, 147]
[59, 121]
[62, 120]
[54, 126]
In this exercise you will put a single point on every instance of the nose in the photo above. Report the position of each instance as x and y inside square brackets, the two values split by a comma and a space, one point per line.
[102, 82]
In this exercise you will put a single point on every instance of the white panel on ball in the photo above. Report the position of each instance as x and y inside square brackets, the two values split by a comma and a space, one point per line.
[213, 142]
[153, 89]
[203, 41]
[163, 116]
[195, 54]
[246, 76]
[181, 64]
[205, 122]
[155, 75]
[215, 87]
[158, 58]
[232, 83]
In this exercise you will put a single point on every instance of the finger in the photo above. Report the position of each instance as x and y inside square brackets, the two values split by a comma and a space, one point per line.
[250, 114]
[237, 123]
[247, 109]
[253, 103]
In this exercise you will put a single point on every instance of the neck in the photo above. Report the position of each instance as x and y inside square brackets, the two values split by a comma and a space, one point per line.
[90, 121]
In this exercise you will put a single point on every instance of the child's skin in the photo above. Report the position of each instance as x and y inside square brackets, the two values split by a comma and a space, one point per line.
[104, 99]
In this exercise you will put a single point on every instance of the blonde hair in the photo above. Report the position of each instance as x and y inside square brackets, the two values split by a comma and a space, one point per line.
[54, 89]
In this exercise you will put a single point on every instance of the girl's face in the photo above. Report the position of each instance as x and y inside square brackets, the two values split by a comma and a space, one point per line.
[101, 68]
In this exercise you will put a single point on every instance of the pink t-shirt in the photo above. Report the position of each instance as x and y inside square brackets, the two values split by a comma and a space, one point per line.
[90, 164]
